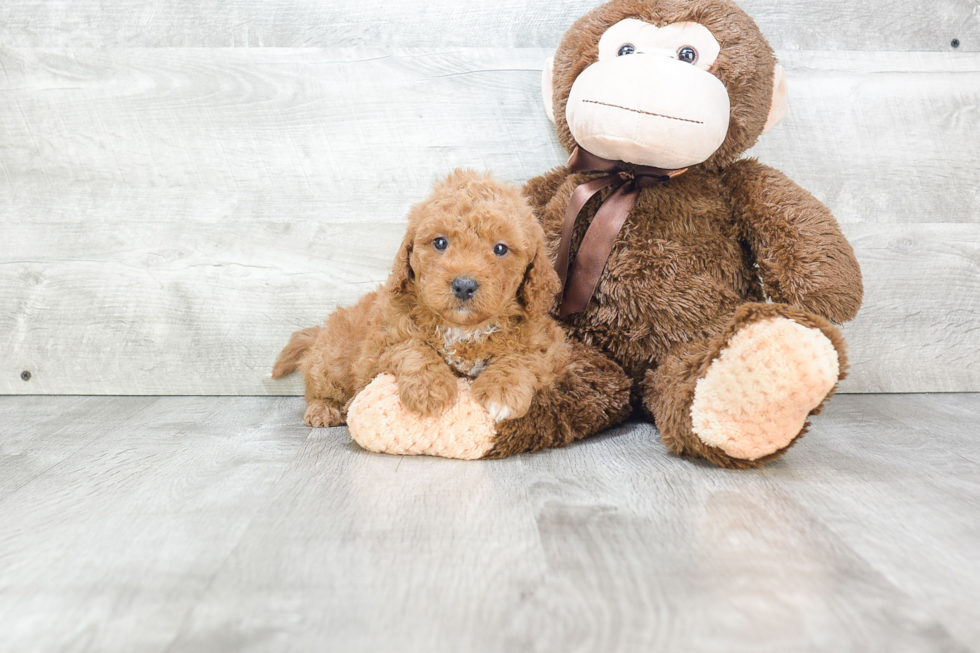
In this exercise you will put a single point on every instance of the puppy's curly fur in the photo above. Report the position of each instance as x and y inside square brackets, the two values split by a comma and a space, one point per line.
[418, 329]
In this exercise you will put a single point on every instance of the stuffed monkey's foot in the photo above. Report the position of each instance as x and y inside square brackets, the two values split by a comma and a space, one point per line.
[592, 393]
[379, 422]
[323, 413]
[755, 397]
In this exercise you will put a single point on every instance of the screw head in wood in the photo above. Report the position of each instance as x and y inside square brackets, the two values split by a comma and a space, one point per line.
[25, 375]
[955, 43]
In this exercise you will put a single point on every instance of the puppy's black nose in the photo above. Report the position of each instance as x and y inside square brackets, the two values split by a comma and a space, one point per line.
[464, 288]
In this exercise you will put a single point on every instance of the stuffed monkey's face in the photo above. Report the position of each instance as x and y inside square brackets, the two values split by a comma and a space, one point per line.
[662, 94]
[650, 99]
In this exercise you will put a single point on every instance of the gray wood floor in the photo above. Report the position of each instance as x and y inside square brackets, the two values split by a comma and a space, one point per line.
[224, 524]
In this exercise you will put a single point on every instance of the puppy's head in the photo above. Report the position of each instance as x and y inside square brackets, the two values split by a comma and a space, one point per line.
[474, 253]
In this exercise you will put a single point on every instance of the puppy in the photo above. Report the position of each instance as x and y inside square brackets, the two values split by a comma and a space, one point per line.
[469, 296]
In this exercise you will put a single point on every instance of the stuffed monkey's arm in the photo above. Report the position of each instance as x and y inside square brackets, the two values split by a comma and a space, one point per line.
[803, 257]
[540, 190]
[425, 383]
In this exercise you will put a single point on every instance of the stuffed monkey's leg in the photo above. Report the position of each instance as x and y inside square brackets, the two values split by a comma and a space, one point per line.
[743, 396]
[591, 394]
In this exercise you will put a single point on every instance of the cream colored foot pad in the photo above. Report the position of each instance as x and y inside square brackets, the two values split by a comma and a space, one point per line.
[378, 422]
[756, 396]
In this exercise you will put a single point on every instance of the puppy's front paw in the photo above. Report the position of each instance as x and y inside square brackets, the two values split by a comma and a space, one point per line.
[503, 399]
[427, 394]
[499, 412]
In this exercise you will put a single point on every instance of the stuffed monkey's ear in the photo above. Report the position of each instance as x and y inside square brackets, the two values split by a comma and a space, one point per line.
[548, 87]
[541, 285]
[779, 99]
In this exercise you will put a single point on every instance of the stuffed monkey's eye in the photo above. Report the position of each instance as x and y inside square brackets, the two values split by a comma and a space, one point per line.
[500, 249]
[626, 49]
[440, 244]
[687, 54]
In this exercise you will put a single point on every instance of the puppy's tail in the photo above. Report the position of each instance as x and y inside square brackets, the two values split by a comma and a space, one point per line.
[292, 353]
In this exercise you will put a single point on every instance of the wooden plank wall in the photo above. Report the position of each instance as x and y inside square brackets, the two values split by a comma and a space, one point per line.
[182, 184]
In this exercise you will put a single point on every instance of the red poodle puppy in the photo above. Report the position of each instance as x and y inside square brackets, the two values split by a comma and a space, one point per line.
[469, 296]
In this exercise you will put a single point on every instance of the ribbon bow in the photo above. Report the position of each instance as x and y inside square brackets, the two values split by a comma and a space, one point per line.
[590, 260]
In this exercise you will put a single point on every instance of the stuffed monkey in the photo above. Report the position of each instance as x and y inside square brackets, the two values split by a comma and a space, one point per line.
[712, 279]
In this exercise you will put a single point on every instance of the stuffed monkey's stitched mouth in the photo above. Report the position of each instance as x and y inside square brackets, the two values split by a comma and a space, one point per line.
[658, 115]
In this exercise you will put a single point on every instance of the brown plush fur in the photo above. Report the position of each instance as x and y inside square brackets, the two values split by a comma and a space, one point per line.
[668, 389]
[698, 255]
[415, 328]
[591, 394]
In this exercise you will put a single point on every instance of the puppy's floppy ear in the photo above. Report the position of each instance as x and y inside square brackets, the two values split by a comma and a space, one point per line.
[402, 279]
[541, 285]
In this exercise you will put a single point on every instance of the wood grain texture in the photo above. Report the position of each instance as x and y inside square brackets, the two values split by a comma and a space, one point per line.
[887, 138]
[223, 524]
[109, 547]
[170, 216]
[900, 25]
[910, 462]
[200, 318]
[920, 323]
[342, 125]
[32, 438]
[338, 135]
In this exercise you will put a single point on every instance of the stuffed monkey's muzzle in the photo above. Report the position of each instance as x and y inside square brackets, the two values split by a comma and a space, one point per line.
[649, 110]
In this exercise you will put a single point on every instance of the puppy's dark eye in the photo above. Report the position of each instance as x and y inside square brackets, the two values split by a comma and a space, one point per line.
[627, 48]
[440, 244]
[687, 54]
[500, 249]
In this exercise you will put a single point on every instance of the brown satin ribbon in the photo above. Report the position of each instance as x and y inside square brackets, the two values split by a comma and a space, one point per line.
[629, 179]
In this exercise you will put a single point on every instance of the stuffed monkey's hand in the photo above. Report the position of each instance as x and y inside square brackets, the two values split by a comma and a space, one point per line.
[505, 395]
